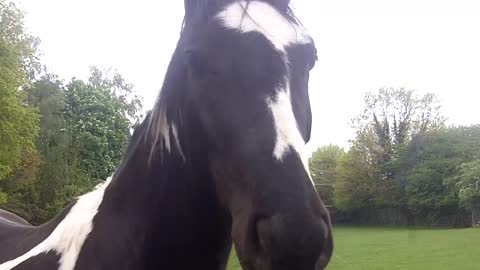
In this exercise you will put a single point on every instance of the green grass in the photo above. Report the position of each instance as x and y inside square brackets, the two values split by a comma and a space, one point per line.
[394, 248]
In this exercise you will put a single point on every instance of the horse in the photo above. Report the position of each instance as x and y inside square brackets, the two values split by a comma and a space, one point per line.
[218, 162]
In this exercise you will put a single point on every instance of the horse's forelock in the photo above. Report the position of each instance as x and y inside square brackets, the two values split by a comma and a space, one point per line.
[205, 9]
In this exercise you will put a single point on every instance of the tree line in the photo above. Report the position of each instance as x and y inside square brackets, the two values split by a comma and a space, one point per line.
[57, 139]
[403, 157]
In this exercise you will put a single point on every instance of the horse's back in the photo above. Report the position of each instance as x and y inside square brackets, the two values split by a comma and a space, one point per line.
[7, 217]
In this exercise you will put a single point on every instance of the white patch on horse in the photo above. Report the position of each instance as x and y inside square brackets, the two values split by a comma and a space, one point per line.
[286, 129]
[259, 16]
[68, 237]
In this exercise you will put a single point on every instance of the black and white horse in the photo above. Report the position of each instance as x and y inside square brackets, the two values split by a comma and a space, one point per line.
[218, 160]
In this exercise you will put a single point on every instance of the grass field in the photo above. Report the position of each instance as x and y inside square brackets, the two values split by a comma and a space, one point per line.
[392, 248]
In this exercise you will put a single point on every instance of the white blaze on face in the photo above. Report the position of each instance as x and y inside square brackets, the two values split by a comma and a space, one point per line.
[68, 237]
[288, 135]
[261, 17]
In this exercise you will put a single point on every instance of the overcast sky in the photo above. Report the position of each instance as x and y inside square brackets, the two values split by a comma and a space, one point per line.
[428, 45]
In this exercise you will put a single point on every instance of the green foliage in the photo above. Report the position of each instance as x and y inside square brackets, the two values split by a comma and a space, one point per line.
[47, 94]
[393, 117]
[31, 196]
[434, 173]
[361, 179]
[84, 129]
[3, 197]
[19, 47]
[352, 185]
[404, 158]
[18, 123]
[397, 115]
[425, 190]
[433, 163]
[360, 183]
[22, 196]
[468, 184]
[97, 114]
[323, 164]
[466, 180]
[373, 173]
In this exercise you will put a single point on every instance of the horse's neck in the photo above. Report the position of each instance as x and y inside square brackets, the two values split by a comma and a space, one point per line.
[162, 213]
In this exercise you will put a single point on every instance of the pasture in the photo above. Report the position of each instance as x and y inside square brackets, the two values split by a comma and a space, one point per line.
[406, 249]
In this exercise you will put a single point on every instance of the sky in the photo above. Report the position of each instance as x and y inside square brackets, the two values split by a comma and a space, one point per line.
[427, 45]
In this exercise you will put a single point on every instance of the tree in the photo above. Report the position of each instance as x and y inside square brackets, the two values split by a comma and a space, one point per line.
[18, 62]
[395, 116]
[398, 114]
[351, 190]
[468, 184]
[33, 195]
[323, 164]
[370, 174]
[21, 194]
[467, 179]
[97, 115]
[359, 180]
[84, 129]
[435, 167]
[47, 94]
[17, 45]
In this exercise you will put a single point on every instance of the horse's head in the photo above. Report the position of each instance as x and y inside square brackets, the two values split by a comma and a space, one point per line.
[243, 67]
